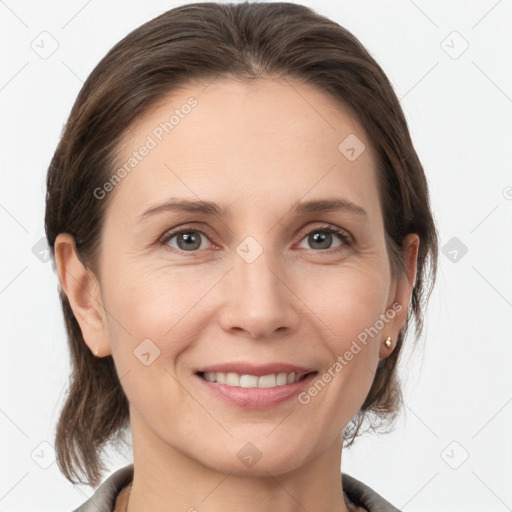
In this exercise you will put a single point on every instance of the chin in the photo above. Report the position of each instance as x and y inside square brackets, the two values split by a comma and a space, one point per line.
[258, 458]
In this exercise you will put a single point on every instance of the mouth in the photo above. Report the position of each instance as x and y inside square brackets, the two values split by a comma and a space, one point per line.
[249, 391]
[271, 380]
[254, 386]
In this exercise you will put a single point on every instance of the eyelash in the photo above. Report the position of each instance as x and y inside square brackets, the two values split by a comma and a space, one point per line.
[344, 236]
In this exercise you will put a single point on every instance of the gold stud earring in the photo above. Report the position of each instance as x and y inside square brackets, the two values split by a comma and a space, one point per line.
[96, 351]
[388, 342]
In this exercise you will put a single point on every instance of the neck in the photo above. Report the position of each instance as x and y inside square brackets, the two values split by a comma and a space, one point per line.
[167, 479]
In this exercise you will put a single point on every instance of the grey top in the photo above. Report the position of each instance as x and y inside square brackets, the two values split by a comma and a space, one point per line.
[104, 498]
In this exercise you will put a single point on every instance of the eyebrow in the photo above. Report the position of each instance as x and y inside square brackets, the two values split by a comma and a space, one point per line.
[213, 209]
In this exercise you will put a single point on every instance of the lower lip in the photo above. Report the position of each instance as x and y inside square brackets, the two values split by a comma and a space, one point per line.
[257, 398]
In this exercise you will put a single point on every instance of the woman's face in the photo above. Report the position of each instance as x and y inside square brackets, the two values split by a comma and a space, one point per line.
[254, 280]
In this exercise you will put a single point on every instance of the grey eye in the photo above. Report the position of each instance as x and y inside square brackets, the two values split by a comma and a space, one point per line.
[187, 240]
[319, 239]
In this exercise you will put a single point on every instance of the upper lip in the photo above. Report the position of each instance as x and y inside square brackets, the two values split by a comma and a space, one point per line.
[255, 369]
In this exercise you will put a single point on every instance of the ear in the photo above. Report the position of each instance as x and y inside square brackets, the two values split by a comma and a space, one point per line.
[400, 299]
[83, 292]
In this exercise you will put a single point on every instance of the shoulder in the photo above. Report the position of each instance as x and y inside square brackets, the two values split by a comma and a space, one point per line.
[104, 498]
[363, 496]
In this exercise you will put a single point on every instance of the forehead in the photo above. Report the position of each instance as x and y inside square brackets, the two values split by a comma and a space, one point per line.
[263, 142]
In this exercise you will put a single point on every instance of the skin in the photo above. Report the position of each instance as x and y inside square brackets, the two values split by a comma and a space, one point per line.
[256, 147]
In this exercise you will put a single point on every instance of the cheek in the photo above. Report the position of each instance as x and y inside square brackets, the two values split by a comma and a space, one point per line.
[349, 303]
[148, 313]
[163, 303]
[347, 299]
[158, 303]
[159, 312]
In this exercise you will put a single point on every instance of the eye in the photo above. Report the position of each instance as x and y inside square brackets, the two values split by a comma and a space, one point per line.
[322, 237]
[187, 240]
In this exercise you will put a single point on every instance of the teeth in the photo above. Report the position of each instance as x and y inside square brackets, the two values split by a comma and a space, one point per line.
[252, 381]
[246, 381]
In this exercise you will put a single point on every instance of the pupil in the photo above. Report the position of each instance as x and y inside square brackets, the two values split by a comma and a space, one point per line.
[190, 241]
[322, 238]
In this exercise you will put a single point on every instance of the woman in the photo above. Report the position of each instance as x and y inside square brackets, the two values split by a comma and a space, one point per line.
[242, 233]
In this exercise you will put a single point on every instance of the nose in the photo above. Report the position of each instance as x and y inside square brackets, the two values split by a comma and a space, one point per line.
[259, 298]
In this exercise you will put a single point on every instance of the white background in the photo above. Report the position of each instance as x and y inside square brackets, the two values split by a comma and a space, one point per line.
[457, 388]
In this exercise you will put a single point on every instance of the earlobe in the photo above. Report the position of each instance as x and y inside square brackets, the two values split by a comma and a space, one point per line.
[403, 293]
[82, 290]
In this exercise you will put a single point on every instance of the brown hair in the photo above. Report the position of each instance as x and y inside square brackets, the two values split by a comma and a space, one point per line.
[198, 42]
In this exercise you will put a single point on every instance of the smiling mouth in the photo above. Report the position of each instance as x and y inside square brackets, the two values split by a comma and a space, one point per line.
[272, 380]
